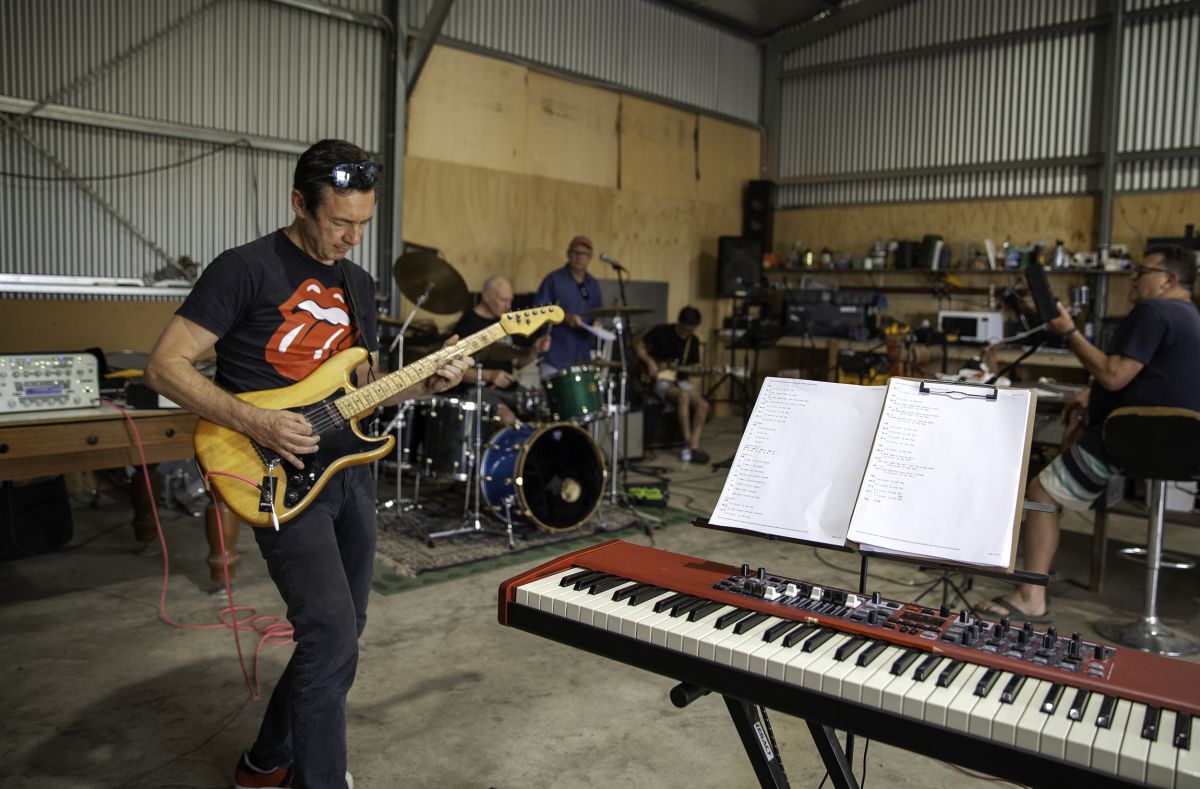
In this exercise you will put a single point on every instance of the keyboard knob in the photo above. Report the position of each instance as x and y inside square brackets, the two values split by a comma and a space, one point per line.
[876, 598]
[1100, 652]
[745, 569]
[1048, 641]
[1052, 632]
[1022, 637]
[762, 573]
[1076, 647]
[944, 612]
[964, 616]
[873, 617]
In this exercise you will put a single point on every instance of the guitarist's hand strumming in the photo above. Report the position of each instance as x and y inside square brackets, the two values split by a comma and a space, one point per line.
[286, 432]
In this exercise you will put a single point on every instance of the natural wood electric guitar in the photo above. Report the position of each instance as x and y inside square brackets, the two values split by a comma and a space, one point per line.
[331, 405]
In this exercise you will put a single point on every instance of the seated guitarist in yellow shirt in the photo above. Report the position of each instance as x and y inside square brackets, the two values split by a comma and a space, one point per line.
[662, 351]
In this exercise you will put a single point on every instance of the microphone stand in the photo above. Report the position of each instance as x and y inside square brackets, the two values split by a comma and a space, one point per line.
[399, 420]
[622, 413]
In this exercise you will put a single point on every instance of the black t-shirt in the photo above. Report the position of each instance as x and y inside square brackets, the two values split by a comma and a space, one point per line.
[664, 344]
[1164, 335]
[278, 313]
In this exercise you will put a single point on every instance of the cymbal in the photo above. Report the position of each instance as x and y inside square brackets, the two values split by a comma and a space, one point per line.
[612, 312]
[419, 272]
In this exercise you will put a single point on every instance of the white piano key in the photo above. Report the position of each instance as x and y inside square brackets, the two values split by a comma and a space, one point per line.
[938, 703]
[690, 642]
[609, 608]
[897, 689]
[1187, 761]
[1004, 727]
[593, 609]
[725, 650]
[874, 687]
[1106, 748]
[1083, 733]
[832, 684]
[740, 656]
[1160, 761]
[813, 673]
[761, 657]
[854, 683]
[655, 624]
[979, 720]
[1131, 759]
[914, 700]
[676, 632]
[777, 664]
[793, 670]
[524, 590]
[562, 598]
[958, 711]
[1029, 727]
[706, 646]
[1053, 739]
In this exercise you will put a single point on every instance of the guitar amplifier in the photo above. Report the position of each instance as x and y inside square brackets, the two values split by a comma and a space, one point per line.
[48, 382]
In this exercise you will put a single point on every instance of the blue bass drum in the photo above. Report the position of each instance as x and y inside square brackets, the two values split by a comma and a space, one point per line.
[552, 476]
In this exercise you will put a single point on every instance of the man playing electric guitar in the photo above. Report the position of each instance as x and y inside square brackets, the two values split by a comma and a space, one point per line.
[675, 344]
[276, 309]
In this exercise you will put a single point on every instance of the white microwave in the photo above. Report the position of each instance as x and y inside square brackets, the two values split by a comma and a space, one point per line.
[971, 326]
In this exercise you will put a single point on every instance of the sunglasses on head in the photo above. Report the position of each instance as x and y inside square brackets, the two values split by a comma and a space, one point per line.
[358, 176]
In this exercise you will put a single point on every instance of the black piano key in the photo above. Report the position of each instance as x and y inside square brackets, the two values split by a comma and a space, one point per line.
[750, 622]
[798, 635]
[1053, 697]
[926, 668]
[985, 684]
[687, 606]
[1183, 731]
[849, 648]
[1108, 708]
[663, 605]
[817, 640]
[579, 576]
[775, 631]
[1150, 723]
[607, 584]
[1009, 694]
[646, 595]
[696, 614]
[868, 655]
[625, 591]
[725, 620]
[904, 661]
[590, 580]
[1075, 711]
[949, 673]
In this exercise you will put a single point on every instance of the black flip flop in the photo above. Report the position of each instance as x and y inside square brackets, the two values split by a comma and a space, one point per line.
[1016, 613]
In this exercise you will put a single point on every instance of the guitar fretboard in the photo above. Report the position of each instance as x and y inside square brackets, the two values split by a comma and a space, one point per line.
[360, 401]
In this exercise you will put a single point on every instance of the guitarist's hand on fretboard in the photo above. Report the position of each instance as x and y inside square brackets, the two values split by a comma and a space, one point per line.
[450, 374]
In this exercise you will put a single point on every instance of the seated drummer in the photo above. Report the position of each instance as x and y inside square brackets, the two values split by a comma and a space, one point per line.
[667, 346]
[500, 384]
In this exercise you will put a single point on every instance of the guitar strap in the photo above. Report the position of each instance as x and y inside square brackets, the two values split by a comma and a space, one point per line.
[356, 321]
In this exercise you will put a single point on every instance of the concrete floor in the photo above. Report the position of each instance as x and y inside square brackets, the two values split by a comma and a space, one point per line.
[99, 693]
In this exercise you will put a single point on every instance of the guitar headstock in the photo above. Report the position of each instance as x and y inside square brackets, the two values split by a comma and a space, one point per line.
[530, 320]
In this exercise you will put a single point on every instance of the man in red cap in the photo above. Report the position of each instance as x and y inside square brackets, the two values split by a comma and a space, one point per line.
[576, 291]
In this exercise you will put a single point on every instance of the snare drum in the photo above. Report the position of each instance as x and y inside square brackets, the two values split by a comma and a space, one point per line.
[444, 433]
[573, 394]
[552, 477]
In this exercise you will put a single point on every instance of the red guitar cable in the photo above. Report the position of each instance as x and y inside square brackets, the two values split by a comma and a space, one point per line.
[271, 629]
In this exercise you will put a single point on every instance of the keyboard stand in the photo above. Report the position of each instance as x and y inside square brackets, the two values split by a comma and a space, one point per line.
[758, 738]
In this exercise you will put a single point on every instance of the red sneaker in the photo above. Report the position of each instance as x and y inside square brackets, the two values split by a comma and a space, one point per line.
[248, 777]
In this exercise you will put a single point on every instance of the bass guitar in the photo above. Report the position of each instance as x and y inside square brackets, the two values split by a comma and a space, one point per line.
[332, 405]
[670, 372]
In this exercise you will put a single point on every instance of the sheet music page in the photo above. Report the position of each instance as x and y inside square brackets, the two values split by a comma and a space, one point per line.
[798, 466]
[944, 474]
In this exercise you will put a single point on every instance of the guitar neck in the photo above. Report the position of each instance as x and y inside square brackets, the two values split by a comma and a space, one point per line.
[367, 398]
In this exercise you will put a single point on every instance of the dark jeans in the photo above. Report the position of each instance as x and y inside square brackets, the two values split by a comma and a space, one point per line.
[321, 561]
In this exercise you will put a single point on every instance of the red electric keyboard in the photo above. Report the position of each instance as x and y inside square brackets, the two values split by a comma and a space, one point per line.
[957, 688]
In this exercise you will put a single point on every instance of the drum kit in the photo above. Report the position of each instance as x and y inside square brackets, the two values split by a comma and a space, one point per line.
[547, 470]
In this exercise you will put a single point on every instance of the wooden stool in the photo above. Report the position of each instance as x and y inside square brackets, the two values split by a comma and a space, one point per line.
[1159, 445]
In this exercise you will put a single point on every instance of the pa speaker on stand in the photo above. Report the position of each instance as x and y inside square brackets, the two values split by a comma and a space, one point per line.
[739, 265]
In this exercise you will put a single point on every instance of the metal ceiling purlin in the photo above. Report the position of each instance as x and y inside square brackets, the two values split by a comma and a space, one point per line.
[424, 43]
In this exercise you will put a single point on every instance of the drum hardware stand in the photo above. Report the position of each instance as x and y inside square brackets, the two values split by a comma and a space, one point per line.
[472, 525]
[398, 423]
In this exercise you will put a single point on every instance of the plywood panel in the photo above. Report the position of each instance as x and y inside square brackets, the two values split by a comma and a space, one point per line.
[49, 325]
[1137, 217]
[469, 109]
[657, 238]
[852, 229]
[658, 149]
[729, 155]
[572, 131]
[472, 214]
[554, 212]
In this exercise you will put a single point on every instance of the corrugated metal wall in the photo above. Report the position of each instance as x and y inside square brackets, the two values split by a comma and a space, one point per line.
[207, 69]
[634, 44]
[946, 99]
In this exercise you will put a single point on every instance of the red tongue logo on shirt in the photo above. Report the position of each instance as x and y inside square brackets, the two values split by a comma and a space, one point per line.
[315, 326]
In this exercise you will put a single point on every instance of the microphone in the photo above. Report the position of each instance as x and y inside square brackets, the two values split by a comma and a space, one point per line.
[615, 264]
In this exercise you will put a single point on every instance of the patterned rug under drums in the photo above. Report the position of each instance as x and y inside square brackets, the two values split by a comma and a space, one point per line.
[405, 548]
